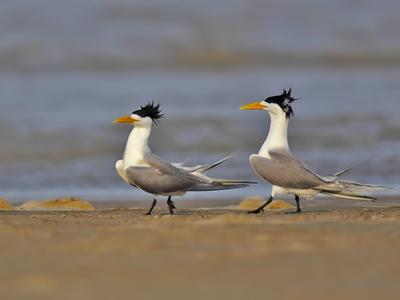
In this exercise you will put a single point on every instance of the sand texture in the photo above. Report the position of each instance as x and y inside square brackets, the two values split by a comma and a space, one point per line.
[335, 253]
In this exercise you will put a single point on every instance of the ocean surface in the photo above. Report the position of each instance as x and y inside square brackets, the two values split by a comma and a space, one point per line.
[68, 68]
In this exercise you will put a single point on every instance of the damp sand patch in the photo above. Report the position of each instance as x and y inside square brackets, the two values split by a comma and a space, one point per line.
[255, 202]
[57, 205]
[5, 205]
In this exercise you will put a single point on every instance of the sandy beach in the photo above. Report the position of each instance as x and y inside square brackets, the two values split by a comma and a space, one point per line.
[219, 253]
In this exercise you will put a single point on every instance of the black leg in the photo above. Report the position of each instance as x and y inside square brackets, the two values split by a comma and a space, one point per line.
[152, 207]
[298, 209]
[261, 208]
[171, 205]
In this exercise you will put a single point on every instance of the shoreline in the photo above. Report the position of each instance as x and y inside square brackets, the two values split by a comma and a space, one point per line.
[324, 202]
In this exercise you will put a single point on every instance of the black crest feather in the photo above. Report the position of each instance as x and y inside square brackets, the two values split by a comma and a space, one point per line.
[284, 100]
[150, 110]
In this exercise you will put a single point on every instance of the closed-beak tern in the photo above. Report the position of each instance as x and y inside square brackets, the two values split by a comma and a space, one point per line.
[146, 171]
[275, 164]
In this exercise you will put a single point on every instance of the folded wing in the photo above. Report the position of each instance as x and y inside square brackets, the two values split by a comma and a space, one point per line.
[161, 177]
[284, 170]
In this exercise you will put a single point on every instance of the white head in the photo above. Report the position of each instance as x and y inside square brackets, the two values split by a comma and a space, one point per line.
[279, 105]
[146, 116]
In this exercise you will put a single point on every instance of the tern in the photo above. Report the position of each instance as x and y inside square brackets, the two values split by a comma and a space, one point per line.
[144, 170]
[275, 163]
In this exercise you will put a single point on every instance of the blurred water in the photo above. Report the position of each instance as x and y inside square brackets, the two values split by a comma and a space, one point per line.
[68, 68]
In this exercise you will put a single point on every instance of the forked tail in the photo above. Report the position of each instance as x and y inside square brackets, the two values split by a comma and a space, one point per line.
[200, 169]
[221, 184]
[354, 190]
[210, 166]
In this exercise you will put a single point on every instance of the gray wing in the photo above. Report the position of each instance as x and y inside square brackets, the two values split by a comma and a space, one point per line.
[160, 177]
[284, 170]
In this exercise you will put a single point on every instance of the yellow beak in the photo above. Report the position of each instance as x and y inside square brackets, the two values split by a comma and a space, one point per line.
[125, 120]
[255, 105]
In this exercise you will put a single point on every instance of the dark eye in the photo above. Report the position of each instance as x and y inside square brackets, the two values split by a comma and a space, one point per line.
[138, 112]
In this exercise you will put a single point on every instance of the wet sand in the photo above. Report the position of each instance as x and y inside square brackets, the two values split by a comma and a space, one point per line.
[323, 253]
